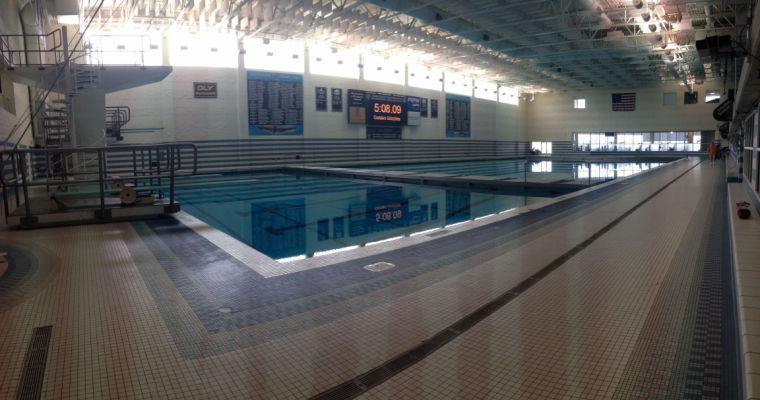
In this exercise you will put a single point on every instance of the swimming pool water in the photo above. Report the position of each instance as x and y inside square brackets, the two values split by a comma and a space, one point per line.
[284, 215]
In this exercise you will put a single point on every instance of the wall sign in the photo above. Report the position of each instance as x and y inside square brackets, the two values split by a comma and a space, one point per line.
[337, 100]
[383, 132]
[433, 108]
[423, 107]
[275, 103]
[413, 110]
[357, 108]
[321, 98]
[457, 116]
[376, 108]
[204, 90]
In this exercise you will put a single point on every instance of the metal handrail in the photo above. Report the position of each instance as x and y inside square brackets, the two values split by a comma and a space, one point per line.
[151, 166]
[15, 57]
[117, 116]
[5, 47]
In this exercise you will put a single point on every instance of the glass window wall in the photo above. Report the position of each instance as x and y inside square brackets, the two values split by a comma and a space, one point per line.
[638, 141]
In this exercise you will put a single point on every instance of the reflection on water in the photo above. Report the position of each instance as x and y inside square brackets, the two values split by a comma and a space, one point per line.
[293, 217]
[288, 216]
[543, 170]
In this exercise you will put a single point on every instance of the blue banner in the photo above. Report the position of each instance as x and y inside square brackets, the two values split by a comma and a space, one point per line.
[457, 116]
[275, 103]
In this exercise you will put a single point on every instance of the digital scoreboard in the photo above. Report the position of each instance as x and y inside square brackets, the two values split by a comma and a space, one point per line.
[377, 109]
[386, 109]
[384, 113]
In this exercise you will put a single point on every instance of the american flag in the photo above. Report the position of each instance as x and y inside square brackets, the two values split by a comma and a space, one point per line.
[624, 102]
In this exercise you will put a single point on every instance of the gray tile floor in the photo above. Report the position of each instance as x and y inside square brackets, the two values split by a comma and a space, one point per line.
[616, 293]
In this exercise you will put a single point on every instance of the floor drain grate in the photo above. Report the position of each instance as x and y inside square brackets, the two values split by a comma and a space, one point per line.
[33, 373]
[377, 267]
[439, 233]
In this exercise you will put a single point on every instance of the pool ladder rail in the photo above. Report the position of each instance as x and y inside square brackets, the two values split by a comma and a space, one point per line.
[68, 186]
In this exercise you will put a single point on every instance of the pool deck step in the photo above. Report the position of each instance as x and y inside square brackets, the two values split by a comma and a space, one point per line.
[468, 181]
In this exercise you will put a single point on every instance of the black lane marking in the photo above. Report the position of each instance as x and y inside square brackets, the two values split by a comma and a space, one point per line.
[362, 383]
[30, 386]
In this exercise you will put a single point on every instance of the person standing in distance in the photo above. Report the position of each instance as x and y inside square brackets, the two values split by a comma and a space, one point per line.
[712, 150]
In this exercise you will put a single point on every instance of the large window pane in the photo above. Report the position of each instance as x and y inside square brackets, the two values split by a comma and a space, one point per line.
[422, 77]
[485, 90]
[457, 84]
[203, 50]
[333, 62]
[379, 69]
[273, 55]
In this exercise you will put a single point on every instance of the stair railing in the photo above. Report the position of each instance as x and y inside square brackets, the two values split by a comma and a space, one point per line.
[41, 50]
[152, 167]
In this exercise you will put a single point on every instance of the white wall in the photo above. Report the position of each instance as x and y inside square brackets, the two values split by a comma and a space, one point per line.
[170, 105]
[552, 116]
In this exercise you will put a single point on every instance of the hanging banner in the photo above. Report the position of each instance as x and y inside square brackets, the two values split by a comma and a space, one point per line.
[337, 99]
[457, 116]
[320, 97]
[275, 103]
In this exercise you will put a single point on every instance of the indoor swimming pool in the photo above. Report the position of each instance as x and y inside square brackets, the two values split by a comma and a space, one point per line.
[288, 216]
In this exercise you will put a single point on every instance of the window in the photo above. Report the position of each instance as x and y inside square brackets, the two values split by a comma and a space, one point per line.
[669, 98]
[273, 55]
[124, 48]
[422, 77]
[486, 90]
[542, 147]
[712, 96]
[639, 141]
[509, 95]
[379, 69]
[203, 50]
[457, 84]
[579, 103]
[333, 62]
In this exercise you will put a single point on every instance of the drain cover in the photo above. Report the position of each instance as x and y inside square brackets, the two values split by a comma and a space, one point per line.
[377, 267]
[225, 310]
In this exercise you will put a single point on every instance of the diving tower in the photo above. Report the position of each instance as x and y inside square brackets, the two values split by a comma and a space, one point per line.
[75, 171]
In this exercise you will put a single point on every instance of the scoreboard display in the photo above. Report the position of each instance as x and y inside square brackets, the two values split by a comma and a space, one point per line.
[386, 109]
[375, 108]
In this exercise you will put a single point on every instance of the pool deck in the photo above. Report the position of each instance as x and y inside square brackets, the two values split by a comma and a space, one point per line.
[623, 290]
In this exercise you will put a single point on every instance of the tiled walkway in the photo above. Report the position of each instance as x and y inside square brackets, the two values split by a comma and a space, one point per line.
[618, 293]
